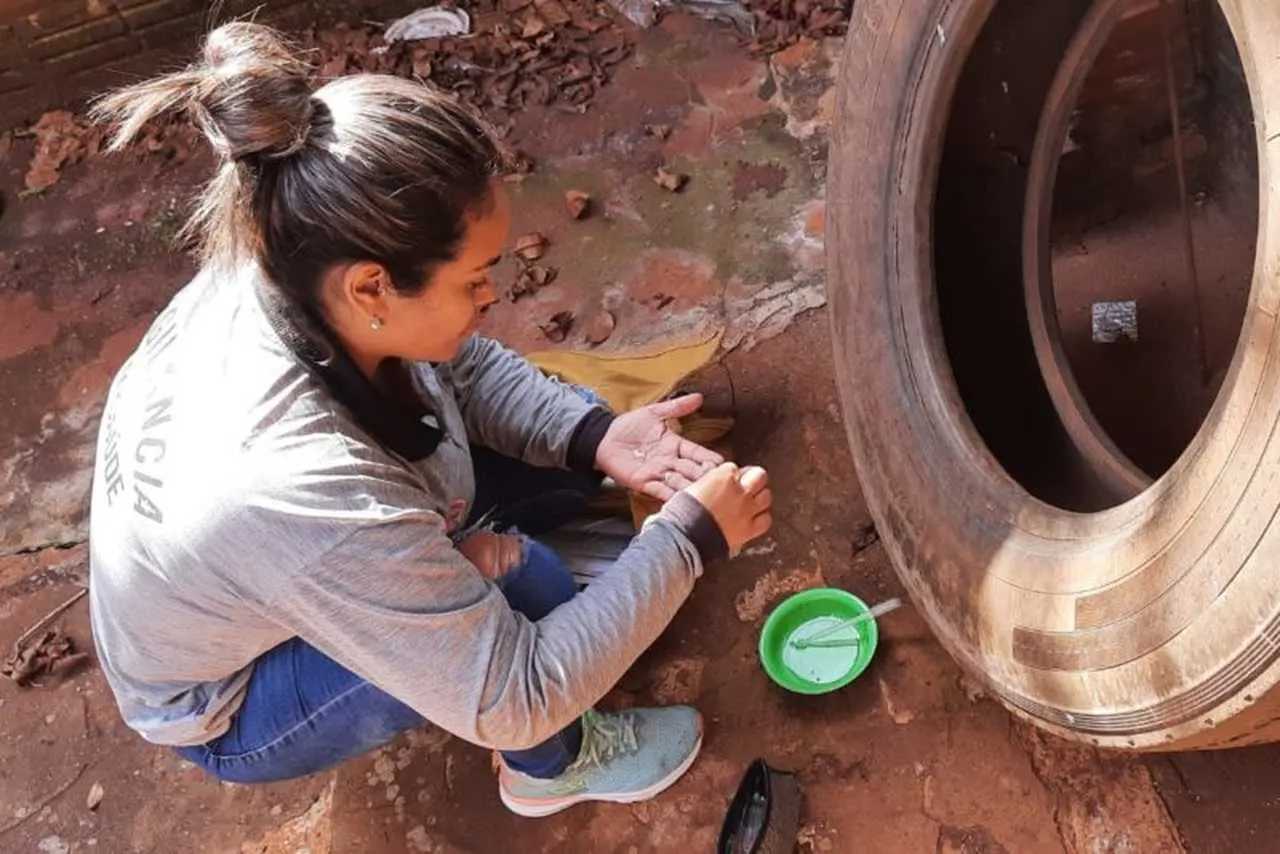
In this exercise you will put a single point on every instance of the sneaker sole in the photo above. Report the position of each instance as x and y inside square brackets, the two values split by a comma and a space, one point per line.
[542, 809]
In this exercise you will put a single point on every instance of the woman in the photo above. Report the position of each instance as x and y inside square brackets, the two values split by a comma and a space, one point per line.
[315, 484]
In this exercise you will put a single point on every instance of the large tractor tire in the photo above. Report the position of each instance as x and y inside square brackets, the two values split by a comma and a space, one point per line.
[1148, 618]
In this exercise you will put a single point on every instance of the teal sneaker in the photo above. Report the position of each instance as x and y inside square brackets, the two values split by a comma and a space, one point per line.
[626, 757]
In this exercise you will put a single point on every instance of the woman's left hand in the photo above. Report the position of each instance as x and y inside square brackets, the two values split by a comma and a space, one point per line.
[642, 453]
[493, 554]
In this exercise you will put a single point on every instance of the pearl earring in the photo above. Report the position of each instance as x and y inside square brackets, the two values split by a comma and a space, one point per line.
[375, 324]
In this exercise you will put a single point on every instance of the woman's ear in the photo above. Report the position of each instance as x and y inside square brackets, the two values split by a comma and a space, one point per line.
[365, 288]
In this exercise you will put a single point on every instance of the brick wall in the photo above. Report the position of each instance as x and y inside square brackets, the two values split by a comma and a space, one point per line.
[59, 52]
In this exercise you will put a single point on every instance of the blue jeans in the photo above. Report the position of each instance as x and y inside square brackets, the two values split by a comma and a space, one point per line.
[303, 712]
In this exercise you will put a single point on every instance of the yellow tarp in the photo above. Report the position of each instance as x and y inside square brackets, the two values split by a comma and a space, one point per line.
[628, 382]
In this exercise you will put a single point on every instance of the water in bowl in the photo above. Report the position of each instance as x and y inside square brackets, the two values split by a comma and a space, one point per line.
[824, 664]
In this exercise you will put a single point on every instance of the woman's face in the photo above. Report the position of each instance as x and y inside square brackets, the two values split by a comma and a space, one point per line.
[375, 322]
[432, 325]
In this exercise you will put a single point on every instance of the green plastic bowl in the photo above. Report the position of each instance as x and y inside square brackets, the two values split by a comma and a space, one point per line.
[831, 669]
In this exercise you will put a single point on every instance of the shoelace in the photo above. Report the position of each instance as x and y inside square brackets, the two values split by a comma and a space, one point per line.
[603, 738]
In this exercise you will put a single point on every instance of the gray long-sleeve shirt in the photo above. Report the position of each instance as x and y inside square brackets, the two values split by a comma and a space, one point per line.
[236, 505]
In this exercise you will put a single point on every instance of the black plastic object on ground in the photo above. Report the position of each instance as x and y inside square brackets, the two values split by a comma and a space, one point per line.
[764, 817]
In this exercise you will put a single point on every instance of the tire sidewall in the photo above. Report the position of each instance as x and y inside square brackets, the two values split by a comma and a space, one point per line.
[1155, 600]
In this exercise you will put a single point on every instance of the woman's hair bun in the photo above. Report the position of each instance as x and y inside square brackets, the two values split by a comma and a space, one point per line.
[250, 94]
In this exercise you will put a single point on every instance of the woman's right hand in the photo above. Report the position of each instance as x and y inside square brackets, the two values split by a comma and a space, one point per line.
[739, 500]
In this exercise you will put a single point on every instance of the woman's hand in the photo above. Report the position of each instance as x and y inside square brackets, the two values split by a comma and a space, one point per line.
[642, 453]
[493, 554]
[739, 500]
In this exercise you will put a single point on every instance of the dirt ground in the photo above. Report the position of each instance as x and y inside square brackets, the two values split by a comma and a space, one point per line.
[910, 758]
